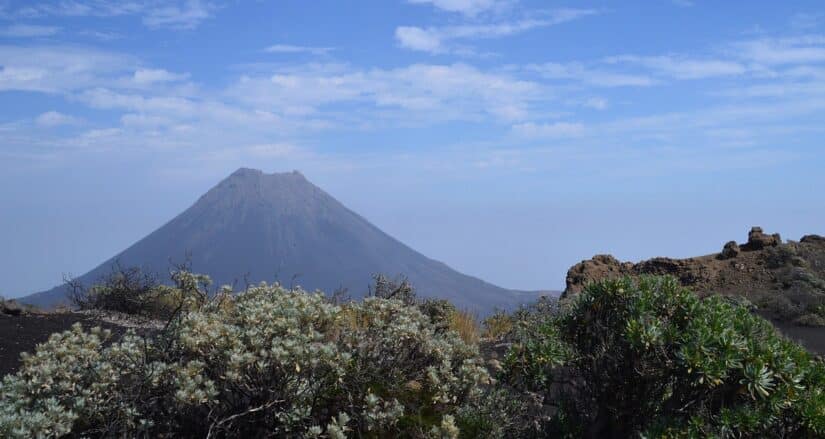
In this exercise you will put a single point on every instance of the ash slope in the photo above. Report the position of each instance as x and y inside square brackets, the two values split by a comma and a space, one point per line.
[265, 227]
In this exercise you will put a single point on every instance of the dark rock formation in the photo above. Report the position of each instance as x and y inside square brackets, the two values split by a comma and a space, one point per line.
[601, 266]
[813, 239]
[757, 240]
[786, 280]
[10, 307]
[730, 251]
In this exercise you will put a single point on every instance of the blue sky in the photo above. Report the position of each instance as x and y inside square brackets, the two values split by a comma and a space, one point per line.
[507, 138]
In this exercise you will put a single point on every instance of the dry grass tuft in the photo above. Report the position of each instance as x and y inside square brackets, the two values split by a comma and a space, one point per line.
[466, 325]
[498, 325]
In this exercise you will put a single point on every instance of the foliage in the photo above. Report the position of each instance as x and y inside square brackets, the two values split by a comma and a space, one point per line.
[650, 358]
[265, 362]
[497, 325]
[131, 291]
[798, 268]
[501, 413]
[398, 289]
[625, 358]
[465, 324]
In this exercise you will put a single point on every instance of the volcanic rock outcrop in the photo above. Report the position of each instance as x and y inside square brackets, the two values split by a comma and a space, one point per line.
[786, 281]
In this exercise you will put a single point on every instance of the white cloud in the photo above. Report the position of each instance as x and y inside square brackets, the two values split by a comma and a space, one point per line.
[288, 48]
[149, 76]
[186, 15]
[416, 38]
[596, 103]
[466, 7]
[101, 35]
[554, 130]
[272, 150]
[173, 14]
[141, 120]
[805, 21]
[80, 8]
[28, 31]
[432, 92]
[59, 69]
[591, 76]
[54, 118]
[436, 39]
[780, 51]
[683, 68]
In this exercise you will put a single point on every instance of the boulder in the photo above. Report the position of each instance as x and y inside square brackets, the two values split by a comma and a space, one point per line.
[757, 240]
[730, 250]
[813, 239]
[599, 267]
[10, 307]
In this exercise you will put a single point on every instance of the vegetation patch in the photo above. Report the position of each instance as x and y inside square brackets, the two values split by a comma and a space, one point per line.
[624, 358]
[648, 357]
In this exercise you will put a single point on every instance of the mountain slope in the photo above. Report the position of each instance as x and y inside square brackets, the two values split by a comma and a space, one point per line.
[267, 227]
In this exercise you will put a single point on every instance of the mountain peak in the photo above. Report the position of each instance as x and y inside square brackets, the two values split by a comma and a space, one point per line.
[259, 174]
[247, 172]
[264, 227]
[249, 187]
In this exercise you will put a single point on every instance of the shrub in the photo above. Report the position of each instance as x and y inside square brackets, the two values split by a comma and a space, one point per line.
[267, 362]
[131, 291]
[439, 312]
[500, 413]
[650, 358]
[498, 325]
[398, 289]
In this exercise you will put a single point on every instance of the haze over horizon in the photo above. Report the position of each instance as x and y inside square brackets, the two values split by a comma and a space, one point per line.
[509, 139]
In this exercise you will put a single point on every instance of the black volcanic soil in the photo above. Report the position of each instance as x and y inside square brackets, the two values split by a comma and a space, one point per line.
[812, 338]
[20, 334]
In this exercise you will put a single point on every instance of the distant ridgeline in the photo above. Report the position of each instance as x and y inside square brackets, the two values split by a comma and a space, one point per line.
[255, 227]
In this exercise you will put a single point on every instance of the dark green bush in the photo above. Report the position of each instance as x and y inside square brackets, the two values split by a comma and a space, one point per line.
[650, 358]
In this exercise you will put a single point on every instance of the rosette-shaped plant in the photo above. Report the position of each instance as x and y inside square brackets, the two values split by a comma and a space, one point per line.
[651, 358]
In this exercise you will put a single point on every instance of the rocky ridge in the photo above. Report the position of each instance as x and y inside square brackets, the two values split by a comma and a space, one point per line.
[784, 280]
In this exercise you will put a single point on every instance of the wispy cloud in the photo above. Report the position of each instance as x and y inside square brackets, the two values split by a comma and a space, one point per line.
[434, 92]
[466, 7]
[437, 40]
[172, 14]
[555, 130]
[59, 68]
[779, 51]
[682, 67]
[807, 21]
[288, 48]
[54, 118]
[683, 3]
[28, 31]
[596, 103]
[150, 76]
[599, 77]
[185, 15]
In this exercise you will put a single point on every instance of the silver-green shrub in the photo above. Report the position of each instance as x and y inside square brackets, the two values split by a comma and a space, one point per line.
[265, 362]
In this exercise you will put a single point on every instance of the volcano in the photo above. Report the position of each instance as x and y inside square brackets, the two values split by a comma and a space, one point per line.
[255, 227]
